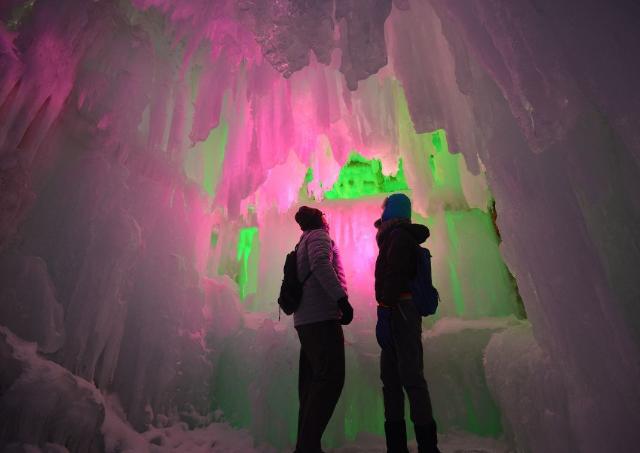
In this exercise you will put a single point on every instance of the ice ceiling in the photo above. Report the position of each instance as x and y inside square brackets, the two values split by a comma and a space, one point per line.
[152, 153]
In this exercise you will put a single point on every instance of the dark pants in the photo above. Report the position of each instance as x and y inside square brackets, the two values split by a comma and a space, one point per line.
[320, 380]
[401, 366]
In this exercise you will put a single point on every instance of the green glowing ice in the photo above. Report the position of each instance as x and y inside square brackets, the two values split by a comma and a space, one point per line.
[445, 167]
[228, 390]
[361, 177]
[247, 241]
[456, 288]
[483, 421]
[303, 194]
[427, 154]
[479, 282]
[19, 14]
[204, 162]
[213, 157]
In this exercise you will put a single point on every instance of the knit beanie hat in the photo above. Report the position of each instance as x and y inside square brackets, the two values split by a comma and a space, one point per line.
[396, 206]
[309, 218]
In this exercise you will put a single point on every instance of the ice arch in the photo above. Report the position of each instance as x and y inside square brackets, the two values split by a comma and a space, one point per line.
[141, 141]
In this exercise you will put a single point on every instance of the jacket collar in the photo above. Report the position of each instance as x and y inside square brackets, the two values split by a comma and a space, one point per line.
[384, 228]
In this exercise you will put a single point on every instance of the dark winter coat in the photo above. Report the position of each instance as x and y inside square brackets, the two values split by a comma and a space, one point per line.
[397, 260]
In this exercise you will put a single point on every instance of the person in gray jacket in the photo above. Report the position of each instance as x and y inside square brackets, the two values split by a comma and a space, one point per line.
[323, 310]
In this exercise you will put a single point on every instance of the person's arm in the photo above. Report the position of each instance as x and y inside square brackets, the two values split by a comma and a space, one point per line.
[319, 252]
[400, 266]
[337, 266]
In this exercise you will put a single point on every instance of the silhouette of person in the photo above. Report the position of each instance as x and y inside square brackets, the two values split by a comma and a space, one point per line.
[399, 328]
[323, 309]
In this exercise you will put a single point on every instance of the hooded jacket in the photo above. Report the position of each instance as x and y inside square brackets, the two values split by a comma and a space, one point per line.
[398, 241]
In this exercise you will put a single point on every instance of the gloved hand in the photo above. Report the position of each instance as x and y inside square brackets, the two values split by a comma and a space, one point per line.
[383, 327]
[347, 311]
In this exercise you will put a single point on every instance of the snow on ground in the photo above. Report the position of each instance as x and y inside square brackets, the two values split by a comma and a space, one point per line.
[221, 438]
[217, 437]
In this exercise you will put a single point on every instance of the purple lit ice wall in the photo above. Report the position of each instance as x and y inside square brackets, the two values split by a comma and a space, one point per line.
[153, 152]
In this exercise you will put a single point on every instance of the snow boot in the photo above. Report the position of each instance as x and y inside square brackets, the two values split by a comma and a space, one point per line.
[427, 438]
[396, 435]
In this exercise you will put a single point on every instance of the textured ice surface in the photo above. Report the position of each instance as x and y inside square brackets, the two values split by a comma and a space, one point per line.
[151, 158]
[42, 402]
[450, 443]
[288, 31]
[28, 303]
[534, 395]
[265, 381]
[558, 211]
[217, 437]
[362, 38]
[125, 328]
[221, 438]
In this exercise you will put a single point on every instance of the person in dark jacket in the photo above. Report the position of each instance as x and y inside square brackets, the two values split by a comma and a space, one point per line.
[399, 328]
[323, 309]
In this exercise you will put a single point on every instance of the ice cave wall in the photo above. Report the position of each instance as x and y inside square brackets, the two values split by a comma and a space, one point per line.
[564, 181]
[105, 240]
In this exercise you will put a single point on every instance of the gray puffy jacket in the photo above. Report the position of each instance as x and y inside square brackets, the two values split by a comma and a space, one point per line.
[319, 254]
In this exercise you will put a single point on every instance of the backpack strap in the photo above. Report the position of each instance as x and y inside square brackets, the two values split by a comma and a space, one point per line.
[306, 246]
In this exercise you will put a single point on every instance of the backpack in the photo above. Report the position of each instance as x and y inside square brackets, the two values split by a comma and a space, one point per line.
[291, 288]
[425, 296]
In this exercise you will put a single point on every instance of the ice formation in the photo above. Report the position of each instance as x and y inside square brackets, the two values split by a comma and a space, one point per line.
[152, 153]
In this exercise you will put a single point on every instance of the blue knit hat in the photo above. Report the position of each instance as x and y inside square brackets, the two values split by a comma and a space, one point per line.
[396, 206]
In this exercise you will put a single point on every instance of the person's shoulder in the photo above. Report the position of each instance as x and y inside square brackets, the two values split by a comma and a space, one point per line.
[400, 233]
[402, 237]
[319, 234]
